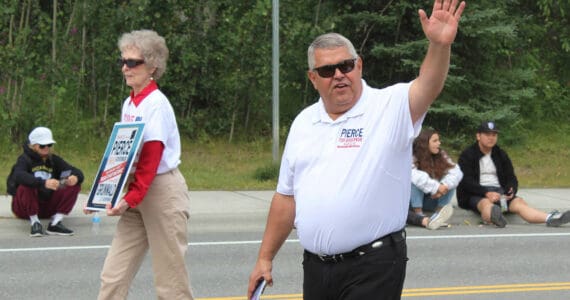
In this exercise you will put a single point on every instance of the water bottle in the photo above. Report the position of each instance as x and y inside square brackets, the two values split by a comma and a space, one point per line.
[95, 223]
[504, 206]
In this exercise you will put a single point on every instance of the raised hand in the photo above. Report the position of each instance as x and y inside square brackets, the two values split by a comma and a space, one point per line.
[441, 26]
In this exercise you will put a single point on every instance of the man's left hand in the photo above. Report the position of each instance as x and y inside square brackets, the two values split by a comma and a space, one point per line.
[441, 26]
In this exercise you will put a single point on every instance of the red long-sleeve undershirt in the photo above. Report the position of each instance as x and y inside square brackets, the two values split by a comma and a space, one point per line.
[149, 159]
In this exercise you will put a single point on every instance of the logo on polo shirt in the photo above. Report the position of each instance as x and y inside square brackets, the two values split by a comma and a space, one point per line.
[128, 118]
[131, 118]
[350, 138]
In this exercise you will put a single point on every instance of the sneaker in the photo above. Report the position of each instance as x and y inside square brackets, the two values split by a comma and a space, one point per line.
[59, 229]
[497, 217]
[414, 218]
[37, 230]
[556, 218]
[439, 218]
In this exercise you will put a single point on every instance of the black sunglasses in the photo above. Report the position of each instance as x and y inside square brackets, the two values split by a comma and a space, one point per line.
[48, 145]
[131, 63]
[329, 70]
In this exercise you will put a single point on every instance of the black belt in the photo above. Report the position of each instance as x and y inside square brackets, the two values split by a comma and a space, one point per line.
[386, 240]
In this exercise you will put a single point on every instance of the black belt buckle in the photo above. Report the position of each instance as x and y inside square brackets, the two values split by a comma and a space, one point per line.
[335, 258]
[331, 258]
[393, 237]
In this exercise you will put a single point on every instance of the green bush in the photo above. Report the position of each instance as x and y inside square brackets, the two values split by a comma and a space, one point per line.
[268, 172]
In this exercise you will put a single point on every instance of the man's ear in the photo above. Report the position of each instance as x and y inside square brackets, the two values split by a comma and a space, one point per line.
[313, 78]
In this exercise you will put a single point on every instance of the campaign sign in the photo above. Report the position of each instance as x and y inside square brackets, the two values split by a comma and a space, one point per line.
[119, 156]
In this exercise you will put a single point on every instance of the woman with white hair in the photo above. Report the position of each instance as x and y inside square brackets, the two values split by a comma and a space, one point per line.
[154, 211]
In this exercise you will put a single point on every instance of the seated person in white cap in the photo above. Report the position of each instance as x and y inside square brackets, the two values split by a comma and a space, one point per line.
[46, 185]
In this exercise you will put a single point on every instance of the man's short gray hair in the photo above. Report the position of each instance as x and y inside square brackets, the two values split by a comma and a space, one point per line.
[152, 47]
[329, 41]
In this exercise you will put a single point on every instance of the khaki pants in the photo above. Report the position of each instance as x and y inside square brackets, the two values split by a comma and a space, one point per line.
[159, 222]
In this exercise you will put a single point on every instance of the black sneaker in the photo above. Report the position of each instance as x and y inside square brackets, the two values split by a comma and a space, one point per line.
[37, 230]
[557, 218]
[58, 229]
[497, 217]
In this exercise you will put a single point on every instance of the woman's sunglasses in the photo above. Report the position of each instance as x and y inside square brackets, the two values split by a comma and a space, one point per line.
[43, 146]
[329, 70]
[131, 63]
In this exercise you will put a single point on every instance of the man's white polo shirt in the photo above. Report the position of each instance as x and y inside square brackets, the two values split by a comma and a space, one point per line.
[350, 177]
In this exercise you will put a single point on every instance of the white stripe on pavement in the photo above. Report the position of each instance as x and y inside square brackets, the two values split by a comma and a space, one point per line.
[226, 243]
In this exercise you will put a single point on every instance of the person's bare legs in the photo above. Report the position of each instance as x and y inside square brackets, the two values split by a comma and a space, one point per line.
[527, 213]
[484, 206]
[491, 213]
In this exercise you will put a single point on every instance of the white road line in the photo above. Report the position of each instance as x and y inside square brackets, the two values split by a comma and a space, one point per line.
[478, 236]
[226, 243]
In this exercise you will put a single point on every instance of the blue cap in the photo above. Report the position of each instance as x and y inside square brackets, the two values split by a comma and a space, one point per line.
[488, 126]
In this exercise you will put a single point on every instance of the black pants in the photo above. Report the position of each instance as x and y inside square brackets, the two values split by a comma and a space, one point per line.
[378, 274]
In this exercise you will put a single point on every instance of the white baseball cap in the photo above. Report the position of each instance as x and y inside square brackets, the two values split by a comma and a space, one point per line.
[41, 136]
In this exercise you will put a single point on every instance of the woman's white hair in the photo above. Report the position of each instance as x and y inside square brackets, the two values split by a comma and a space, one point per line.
[152, 47]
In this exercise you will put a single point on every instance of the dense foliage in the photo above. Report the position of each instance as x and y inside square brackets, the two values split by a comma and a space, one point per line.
[510, 61]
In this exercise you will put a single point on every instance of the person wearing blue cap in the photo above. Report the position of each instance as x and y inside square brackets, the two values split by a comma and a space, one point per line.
[45, 185]
[489, 185]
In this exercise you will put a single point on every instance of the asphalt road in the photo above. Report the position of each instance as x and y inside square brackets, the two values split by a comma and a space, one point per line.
[464, 261]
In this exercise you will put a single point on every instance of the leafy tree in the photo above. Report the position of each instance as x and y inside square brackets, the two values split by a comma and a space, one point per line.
[510, 62]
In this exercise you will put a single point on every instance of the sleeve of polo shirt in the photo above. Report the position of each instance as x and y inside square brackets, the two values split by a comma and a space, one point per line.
[285, 182]
[403, 131]
[149, 159]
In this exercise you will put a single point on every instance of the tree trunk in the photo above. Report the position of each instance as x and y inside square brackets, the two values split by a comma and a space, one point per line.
[93, 85]
[81, 76]
[71, 18]
[54, 32]
[53, 51]
[232, 125]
